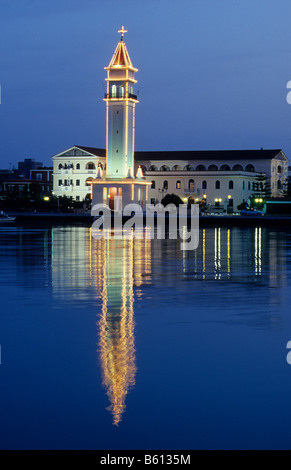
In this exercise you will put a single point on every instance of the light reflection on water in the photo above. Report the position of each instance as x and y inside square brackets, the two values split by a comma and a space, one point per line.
[236, 276]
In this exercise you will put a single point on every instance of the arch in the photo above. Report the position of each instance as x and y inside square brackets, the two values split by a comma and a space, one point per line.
[90, 166]
[188, 168]
[88, 181]
[153, 184]
[200, 168]
[250, 167]
[217, 184]
[237, 167]
[153, 168]
[230, 184]
[225, 168]
[178, 184]
[176, 168]
[143, 168]
[164, 168]
[191, 184]
[212, 168]
[204, 184]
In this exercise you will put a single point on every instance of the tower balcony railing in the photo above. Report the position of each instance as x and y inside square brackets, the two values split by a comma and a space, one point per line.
[120, 95]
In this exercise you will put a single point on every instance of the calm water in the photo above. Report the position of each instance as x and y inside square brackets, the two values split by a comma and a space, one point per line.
[134, 344]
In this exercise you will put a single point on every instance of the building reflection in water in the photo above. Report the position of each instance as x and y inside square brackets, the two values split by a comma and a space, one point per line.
[87, 271]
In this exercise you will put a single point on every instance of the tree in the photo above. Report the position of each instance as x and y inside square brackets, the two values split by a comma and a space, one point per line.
[262, 187]
[171, 199]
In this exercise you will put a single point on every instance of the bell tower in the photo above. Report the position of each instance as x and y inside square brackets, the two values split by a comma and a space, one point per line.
[120, 112]
[118, 186]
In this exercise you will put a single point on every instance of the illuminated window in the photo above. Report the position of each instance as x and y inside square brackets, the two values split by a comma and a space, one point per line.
[178, 184]
[113, 91]
[191, 184]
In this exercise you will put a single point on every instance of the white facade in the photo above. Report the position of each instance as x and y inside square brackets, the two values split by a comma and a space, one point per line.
[74, 170]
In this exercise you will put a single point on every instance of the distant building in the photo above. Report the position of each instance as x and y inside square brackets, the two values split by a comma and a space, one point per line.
[27, 165]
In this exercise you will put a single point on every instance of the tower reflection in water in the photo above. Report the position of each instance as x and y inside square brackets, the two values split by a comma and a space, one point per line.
[120, 266]
[116, 270]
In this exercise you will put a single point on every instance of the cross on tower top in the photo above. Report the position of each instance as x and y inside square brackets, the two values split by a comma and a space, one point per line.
[122, 31]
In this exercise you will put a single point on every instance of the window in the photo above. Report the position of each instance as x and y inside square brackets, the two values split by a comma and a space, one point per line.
[78, 166]
[153, 168]
[60, 166]
[176, 168]
[212, 168]
[204, 184]
[279, 184]
[200, 168]
[90, 166]
[217, 184]
[249, 185]
[237, 168]
[164, 168]
[224, 168]
[230, 185]
[279, 169]
[188, 168]
[250, 168]
[77, 198]
[60, 182]
[38, 176]
[178, 184]
[77, 182]
[165, 184]
[191, 184]
[153, 185]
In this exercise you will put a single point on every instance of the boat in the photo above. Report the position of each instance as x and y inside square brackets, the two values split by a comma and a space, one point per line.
[6, 218]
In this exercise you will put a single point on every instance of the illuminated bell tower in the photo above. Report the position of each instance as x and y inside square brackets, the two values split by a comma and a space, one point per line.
[120, 113]
[117, 186]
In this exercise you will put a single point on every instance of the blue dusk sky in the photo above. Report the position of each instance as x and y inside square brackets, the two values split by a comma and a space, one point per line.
[212, 74]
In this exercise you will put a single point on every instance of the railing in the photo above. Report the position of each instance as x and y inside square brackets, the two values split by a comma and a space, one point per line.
[120, 95]
[189, 191]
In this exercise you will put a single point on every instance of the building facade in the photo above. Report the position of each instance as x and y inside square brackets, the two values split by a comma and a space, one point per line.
[216, 176]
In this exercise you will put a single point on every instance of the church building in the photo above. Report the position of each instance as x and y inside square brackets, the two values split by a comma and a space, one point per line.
[223, 178]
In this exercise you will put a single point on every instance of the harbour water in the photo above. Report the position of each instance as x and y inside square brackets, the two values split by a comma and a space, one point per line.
[138, 344]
